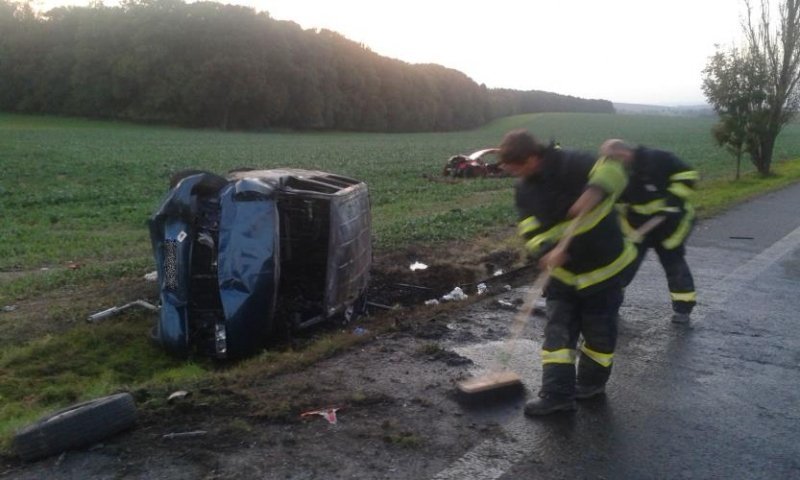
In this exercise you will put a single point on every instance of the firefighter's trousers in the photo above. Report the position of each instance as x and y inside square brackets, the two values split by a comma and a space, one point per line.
[679, 277]
[570, 315]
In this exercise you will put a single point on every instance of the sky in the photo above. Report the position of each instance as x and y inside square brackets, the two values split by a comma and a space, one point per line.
[627, 51]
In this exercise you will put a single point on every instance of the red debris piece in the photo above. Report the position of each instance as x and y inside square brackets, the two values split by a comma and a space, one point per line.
[328, 414]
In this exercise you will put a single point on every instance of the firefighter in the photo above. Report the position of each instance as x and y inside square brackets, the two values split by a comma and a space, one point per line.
[660, 184]
[585, 289]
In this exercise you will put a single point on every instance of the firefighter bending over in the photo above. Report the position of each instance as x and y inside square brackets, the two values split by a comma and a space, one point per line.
[660, 184]
[585, 289]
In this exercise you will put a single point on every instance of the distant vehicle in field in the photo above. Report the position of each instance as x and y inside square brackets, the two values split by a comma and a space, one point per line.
[472, 165]
[241, 255]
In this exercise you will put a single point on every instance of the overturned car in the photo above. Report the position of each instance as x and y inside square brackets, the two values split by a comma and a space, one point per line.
[472, 165]
[241, 256]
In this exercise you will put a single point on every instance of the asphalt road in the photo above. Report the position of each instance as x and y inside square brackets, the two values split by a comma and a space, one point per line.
[719, 399]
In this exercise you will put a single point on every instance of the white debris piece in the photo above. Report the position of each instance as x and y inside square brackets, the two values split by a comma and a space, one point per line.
[432, 301]
[152, 276]
[507, 288]
[418, 266]
[498, 272]
[456, 294]
[482, 288]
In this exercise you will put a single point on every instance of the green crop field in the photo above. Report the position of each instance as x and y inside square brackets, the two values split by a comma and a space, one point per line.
[79, 192]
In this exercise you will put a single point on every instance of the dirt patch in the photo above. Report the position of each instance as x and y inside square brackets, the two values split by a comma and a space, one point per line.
[393, 393]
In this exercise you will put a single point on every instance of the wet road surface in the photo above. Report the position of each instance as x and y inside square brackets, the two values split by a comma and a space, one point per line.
[718, 399]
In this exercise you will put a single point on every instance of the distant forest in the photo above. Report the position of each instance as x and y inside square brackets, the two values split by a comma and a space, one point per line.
[211, 65]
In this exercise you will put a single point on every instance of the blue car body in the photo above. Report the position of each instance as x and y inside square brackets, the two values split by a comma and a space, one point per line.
[241, 255]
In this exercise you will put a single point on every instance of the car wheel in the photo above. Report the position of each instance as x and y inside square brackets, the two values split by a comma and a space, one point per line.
[76, 426]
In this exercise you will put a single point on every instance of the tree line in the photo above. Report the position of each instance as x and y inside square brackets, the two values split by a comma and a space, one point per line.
[211, 65]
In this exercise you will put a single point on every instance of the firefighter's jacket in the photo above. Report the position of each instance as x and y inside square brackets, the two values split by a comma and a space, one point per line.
[599, 251]
[659, 184]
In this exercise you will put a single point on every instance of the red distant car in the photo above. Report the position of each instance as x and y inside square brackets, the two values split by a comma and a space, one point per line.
[472, 165]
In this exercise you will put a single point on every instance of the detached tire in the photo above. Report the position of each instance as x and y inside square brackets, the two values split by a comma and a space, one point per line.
[76, 426]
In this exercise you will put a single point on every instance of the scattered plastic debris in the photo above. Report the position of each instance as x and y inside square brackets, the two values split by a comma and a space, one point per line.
[8, 308]
[498, 272]
[506, 304]
[360, 331]
[328, 414]
[482, 288]
[432, 301]
[74, 265]
[196, 433]
[114, 310]
[418, 266]
[456, 294]
[152, 276]
[180, 394]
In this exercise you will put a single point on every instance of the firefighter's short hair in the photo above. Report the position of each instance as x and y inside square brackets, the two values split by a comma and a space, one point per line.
[518, 146]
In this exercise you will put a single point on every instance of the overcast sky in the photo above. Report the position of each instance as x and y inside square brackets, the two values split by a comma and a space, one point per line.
[632, 51]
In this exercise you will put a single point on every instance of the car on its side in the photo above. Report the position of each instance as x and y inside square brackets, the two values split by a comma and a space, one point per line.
[241, 256]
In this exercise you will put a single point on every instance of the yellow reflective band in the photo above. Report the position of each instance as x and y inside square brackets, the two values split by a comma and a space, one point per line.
[681, 190]
[564, 355]
[629, 231]
[534, 244]
[604, 359]
[687, 175]
[609, 175]
[650, 208]
[528, 225]
[680, 233]
[584, 280]
[683, 297]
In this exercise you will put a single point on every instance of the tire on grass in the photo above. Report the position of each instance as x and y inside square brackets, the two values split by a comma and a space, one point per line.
[76, 426]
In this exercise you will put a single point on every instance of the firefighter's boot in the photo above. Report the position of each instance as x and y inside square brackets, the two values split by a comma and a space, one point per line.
[547, 404]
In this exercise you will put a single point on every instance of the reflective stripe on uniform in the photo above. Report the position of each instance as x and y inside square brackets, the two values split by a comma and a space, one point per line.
[651, 207]
[609, 175]
[589, 221]
[604, 359]
[681, 190]
[528, 225]
[683, 296]
[687, 175]
[564, 355]
[629, 231]
[680, 233]
[584, 280]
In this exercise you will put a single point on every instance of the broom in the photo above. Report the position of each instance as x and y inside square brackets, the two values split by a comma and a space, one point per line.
[507, 379]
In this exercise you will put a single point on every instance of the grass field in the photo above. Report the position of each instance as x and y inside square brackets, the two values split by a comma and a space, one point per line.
[79, 192]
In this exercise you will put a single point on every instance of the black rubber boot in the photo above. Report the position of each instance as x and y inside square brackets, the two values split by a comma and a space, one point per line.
[547, 404]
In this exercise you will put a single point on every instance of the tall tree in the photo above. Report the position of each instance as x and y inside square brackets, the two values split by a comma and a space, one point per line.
[767, 99]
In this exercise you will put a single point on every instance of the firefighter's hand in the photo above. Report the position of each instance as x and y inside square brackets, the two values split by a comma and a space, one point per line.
[553, 259]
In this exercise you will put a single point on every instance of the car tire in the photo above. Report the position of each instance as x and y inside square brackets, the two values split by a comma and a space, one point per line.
[76, 426]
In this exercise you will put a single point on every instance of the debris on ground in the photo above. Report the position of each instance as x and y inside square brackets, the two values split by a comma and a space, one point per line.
[360, 331]
[114, 310]
[417, 266]
[481, 287]
[196, 433]
[432, 301]
[152, 276]
[506, 305]
[456, 294]
[328, 414]
[8, 308]
[178, 395]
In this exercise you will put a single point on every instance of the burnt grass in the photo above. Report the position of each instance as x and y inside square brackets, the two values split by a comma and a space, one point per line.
[392, 388]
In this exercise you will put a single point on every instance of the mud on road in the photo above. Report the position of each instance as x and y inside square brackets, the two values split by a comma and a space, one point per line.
[397, 411]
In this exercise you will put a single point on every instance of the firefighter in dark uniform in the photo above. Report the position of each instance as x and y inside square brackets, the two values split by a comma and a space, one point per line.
[659, 184]
[585, 289]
